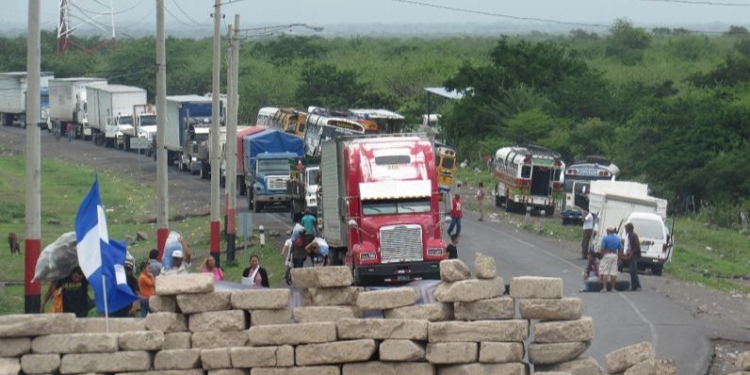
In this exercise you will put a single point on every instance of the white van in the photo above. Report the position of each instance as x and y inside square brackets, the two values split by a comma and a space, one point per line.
[656, 241]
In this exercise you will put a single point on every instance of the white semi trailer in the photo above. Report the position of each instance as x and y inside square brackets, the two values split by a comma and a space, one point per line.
[13, 98]
[68, 103]
[110, 110]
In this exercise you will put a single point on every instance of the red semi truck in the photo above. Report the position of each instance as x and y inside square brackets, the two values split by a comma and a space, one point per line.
[380, 207]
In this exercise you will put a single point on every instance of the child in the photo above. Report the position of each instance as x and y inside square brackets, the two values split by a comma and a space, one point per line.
[591, 273]
[451, 248]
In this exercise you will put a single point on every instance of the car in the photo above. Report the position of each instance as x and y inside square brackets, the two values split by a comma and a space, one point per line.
[571, 217]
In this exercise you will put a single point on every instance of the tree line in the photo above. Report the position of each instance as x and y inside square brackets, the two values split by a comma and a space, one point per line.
[669, 106]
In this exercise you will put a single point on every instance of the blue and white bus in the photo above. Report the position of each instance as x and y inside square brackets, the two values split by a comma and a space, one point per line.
[577, 181]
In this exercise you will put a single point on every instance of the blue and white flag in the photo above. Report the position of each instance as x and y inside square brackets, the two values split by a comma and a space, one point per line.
[99, 257]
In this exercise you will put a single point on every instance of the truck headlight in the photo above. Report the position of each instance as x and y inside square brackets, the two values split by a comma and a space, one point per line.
[368, 256]
[435, 252]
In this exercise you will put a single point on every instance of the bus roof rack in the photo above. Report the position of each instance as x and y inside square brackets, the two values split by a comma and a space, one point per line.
[594, 159]
[543, 151]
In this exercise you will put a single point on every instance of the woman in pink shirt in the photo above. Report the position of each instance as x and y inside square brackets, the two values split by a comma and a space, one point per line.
[209, 266]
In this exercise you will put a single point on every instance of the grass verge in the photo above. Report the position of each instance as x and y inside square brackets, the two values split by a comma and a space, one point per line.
[128, 207]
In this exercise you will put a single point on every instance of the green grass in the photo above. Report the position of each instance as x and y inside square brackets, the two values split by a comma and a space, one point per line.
[128, 207]
[715, 258]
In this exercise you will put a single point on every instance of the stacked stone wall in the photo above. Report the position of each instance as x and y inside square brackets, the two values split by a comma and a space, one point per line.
[474, 328]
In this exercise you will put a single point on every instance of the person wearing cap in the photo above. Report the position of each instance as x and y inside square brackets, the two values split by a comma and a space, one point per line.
[129, 310]
[611, 250]
[180, 260]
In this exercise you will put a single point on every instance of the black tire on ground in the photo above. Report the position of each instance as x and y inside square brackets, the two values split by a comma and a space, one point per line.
[257, 206]
[498, 201]
[357, 278]
[657, 270]
[205, 171]
[241, 185]
[620, 267]
[510, 206]
[549, 211]
[596, 286]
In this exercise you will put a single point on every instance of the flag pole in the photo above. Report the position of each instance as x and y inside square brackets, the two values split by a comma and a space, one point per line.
[106, 308]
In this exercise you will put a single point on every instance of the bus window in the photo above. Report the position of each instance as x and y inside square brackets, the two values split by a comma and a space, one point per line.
[448, 163]
[526, 171]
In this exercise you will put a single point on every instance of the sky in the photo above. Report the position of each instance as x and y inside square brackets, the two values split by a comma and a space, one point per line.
[187, 14]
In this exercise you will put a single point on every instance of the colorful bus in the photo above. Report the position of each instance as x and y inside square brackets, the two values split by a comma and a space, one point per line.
[578, 177]
[445, 161]
[528, 177]
[290, 121]
[323, 125]
[265, 116]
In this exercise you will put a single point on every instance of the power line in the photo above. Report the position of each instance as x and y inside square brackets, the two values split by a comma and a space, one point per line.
[501, 15]
[187, 15]
[543, 20]
[179, 19]
[689, 2]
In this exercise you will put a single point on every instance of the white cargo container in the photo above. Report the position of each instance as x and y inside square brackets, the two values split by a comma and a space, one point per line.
[110, 110]
[13, 97]
[68, 102]
[188, 124]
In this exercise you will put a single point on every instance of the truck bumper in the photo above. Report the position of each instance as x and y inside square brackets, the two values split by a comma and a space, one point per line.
[397, 273]
[272, 198]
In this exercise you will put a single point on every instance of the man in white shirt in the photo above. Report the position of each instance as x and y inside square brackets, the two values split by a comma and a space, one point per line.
[588, 230]
[178, 266]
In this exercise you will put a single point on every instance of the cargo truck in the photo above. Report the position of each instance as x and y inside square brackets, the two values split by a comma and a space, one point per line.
[110, 111]
[268, 161]
[616, 203]
[303, 187]
[13, 97]
[188, 125]
[380, 207]
[241, 134]
[68, 103]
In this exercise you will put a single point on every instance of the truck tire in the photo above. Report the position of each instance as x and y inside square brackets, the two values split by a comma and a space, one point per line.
[249, 202]
[222, 182]
[242, 187]
[510, 206]
[205, 174]
[549, 210]
[257, 206]
[656, 270]
[357, 278]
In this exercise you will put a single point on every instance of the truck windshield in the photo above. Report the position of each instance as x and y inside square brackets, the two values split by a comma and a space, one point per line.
[312, 176]
[273, 166]
[148, 120]
[648, 229]
[125, 120]
[395, 206]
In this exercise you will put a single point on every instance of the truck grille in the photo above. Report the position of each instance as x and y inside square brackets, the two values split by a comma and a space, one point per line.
[277, 183]
[401, 243]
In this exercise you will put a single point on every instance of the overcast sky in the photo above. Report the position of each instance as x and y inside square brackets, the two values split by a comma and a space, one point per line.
[141, 14]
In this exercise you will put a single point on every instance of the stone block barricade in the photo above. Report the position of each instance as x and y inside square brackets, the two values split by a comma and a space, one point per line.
[475, 328]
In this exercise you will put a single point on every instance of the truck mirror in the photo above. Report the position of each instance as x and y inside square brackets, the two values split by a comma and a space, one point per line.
[448, 219]
[352, 223]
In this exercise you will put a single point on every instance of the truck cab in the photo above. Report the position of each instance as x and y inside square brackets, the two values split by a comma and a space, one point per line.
[656, 241]
[304, 188]
[380, 208]
[269, 180]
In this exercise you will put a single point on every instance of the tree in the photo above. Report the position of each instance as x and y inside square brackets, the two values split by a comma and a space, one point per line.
[626, 43]
[327, 86]
[738, 31]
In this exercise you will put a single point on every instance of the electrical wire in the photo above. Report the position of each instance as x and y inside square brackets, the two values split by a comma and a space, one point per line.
[543, 20]
[689, 2]
[193, 25]
[187, 15]
[501, 15]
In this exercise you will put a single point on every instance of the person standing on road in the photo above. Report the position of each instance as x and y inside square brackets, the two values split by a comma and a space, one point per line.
[452, 248]
[588, 230]
[632, 253]
[69, 131]
[611, 248]
[456, 215]
[480, 200]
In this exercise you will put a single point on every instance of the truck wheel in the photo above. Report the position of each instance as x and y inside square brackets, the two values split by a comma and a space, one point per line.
[205, 174]
[596, 286]
[656, 270]
[222, 182]
[243, 188]
[510, 206]
[249, 202]
[257, 206]
[549, 211]
[357, 277]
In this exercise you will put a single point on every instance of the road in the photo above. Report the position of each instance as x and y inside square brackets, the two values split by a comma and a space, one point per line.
[620, 319]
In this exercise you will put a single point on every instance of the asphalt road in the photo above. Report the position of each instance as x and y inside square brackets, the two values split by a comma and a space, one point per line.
[620, 319]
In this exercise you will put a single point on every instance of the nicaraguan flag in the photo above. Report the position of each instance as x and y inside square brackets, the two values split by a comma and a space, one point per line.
[99, 257]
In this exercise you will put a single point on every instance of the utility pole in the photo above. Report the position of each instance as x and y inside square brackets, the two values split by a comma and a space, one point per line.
[162, 187]
[231, 175]
[215, 172]
[33, 244]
